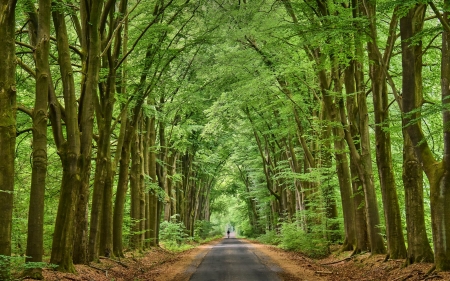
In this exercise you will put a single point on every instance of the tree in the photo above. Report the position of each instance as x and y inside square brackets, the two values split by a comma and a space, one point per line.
[35, 235]
[7, 129]
[394, 233]
[75, 151]
[436, 171]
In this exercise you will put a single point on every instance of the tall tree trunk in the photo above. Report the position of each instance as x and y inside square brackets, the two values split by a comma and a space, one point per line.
[122, 187]
[359, 242]
[168, 206]
[35, 237]
[153, 192]
[436, 172]
[419, 249]
[7, 128]
[440, 196]
[69, 152]
[135, 190]
[146, 167]
[362, 159]
[363, 174]
[328, 192]
[186, 172]
[116, 234]
[394, 233]
[91, 34]
[107, 222]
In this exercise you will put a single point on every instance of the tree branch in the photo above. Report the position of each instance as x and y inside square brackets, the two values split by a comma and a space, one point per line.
[143, 33]
[25, 110]
[439, 16]
[25, 67]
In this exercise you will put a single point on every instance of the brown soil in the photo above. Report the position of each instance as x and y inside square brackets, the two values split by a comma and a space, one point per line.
[340, 267]
[156, 265]
[161, 265]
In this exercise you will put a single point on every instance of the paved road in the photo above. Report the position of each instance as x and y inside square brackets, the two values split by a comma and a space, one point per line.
[235, 260]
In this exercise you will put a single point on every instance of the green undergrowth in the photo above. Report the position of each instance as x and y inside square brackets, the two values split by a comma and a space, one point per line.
[18, 268]
[291, 237]
[174, 236]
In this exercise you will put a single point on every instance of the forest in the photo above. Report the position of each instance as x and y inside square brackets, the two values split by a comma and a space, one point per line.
[305, 123]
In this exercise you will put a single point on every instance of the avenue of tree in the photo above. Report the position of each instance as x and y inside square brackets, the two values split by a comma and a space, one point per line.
[117, 115]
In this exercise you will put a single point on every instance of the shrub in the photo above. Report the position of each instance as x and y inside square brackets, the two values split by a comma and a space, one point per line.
[172, 233]
[13, 266]
[202, 229]
[312, 244]
[270, 237]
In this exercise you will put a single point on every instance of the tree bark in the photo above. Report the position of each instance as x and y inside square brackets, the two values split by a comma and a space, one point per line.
[394, 233]
[436, 172]
[122, 187]
[357, 242]
[90, 12]
[135, 188]
[153, 196]
[69, 152]
[7, 128]
[35, 237]
[419, 249]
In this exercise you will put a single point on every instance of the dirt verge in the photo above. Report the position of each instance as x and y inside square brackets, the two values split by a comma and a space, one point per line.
[161, 265]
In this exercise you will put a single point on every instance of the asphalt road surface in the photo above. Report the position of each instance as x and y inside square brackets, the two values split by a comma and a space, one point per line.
[235, 260]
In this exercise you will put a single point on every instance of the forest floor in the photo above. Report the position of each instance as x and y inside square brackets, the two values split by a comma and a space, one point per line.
[161, 265]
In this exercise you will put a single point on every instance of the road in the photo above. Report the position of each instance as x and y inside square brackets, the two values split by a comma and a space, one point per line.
[235, 260]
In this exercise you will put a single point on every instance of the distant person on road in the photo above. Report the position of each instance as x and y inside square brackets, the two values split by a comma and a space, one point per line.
[228, 233]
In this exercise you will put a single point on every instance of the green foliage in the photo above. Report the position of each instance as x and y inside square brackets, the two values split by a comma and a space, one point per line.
[246, 229]
[16, 265]
[292, 237]
[5, 267]
[214, 94]
[202, 229]
[172, 233]
[312, 244]
[270, 237]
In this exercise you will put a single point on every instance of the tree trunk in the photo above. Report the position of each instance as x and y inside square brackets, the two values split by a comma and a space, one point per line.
[116, 237]
[7, 128]
[39, 169]
[394, 233]
[362, 159]
[328, 192]
[91, 34]
[436, 172]
[419, 249]
[146, 167]
[122, 187]
[135, 241]
[107, 222]
[153, 195]
[356, 242]
[69, 152]
[440, 190]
